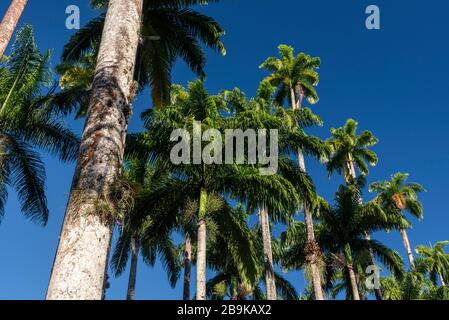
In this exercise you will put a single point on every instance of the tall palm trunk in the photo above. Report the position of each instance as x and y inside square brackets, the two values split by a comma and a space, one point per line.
[201, 248]
[312, 249]
[9, 23]
[407, 246]
[81, 260]
[268, 254]
[352, 173]
[351, 272]
[131, 293]
[353, 280]
[187, 267]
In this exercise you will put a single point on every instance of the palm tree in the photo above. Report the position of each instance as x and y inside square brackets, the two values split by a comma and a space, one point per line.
[341, 235]
[9, 23]
[397, 196]
[295, 77]
[25, 123]
[436, 261]
[81, 260]
[415, 284]
[170, 30]
[263, 112]
[351, 151]
[206, 184]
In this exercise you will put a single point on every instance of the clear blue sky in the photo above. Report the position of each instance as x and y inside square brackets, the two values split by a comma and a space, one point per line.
[393, 81]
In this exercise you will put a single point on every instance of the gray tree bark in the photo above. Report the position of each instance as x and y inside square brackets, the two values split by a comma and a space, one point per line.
[353, 280]
[81, 259]
[407, 246]
[201, 261]
[187, 267]
[201, 247]
[268, 255]
[131, 293]
[9, 23]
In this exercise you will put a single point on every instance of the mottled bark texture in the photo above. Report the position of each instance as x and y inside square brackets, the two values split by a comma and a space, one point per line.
[81, 259]
[187, 267]
[201, 248]
[268, 254]
[9, 23]
[131, 293]
[408, 248]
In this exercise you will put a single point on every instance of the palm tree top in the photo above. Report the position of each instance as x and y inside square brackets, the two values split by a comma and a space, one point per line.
[396, 194]
[289, 72]
[25, 123]
[349, 147]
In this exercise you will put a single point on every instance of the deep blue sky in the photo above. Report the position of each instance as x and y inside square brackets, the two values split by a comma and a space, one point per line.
[393, 81]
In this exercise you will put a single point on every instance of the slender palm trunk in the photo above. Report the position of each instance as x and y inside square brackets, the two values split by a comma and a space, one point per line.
[353, 175]
[187, 267]
[268, 254]
[9, 23]
[292, 98]
[351, 272]
[443, 284]
[353, 280]
[407, 246]
[312, 249]
[131, 294]
[201, 248]
[81, 259]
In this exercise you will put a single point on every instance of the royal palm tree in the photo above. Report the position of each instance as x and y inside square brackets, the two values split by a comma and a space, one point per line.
[9, 23]
[170, 30]
[296, 77]
[81, 260]
[263, 112]
[209, 182]
[350, 151]
[415, 284]
[341, 235]
[436, 261]
[396, 197]
[25, 123]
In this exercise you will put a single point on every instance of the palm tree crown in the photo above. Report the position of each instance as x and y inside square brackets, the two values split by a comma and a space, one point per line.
[25, 122]
[170, 30]
[350, 149]
[294, 76]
